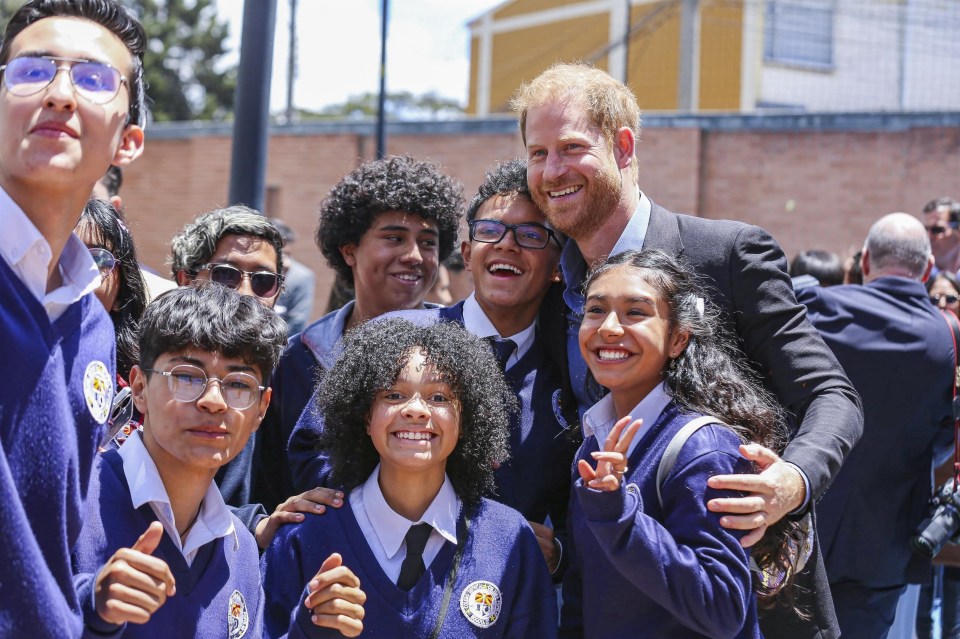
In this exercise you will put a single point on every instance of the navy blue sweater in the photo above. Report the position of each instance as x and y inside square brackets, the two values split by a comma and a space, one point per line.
[218, 595]
[641, 571]
[499, 548]
[56, 393]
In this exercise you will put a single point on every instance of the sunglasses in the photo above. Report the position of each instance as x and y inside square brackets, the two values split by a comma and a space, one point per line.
[936, 229]
[949, 299]
[265, 284]
[530, 235]
[96, 82]
[104, 260]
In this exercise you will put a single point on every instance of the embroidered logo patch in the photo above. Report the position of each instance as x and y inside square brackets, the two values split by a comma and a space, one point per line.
[237, 616]
[98, 390]
[480, 603]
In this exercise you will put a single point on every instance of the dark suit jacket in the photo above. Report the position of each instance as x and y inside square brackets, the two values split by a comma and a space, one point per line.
[898, 351]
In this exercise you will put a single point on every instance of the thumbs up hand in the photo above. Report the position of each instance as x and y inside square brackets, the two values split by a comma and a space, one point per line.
[133, 584]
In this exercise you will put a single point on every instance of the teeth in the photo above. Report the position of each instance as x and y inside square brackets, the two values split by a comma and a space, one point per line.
[505, 267]
[566, 191]
[408, 277]
[414, 436]
[608, 355]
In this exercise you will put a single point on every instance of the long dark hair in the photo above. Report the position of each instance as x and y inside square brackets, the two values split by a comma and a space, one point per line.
[710, 377]
[109, 232]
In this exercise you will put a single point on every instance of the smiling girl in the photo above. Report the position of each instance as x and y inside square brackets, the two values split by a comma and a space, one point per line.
[665, 566]
[414, 420]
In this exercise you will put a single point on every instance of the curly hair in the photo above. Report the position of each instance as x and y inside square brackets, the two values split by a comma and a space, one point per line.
[711, 377]
[106, 230]
[398, 183]
[506, 178]
[371, 361]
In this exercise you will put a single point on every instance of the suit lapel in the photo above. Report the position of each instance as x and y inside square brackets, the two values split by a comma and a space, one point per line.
[663, 232]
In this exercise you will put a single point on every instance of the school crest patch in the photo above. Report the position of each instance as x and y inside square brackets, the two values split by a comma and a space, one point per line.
[237, 616]
[480, 603]
[98, 390]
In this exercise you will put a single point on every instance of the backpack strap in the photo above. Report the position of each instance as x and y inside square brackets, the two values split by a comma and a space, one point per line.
[673, 449]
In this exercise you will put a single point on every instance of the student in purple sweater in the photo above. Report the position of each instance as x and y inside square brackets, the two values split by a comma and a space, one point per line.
[415, 420]
[642, 565]
[160, 555]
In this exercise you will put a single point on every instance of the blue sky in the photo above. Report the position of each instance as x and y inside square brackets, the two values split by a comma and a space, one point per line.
[339, 47]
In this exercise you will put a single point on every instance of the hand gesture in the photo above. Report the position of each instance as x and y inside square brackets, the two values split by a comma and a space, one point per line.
[548, 545]
[335, 598]
[612, 459]
[776, 491]
[314, 501]
[132, 585]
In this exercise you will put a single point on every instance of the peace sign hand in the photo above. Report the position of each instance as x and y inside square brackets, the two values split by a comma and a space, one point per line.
[612, 460]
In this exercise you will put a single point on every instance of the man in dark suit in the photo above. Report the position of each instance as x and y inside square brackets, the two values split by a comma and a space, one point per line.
[578, 125]
[898, 351]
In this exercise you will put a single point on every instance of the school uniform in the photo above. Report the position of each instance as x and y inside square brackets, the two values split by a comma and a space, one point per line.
[58, 372]
[216, 567]
[485, 575]
[639, 569]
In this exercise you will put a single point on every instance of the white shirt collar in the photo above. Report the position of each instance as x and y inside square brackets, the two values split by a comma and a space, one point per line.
[28, 254]
[392, 527]
[477, 322]
[600, 419]
[146, 487]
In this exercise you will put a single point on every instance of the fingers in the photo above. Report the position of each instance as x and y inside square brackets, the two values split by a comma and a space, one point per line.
[152, 568]
[150, 539]
[348, 626]
[132, 585]
[586, 471]
[313, 501]
[331, 562]
[758, 454]
[745, 483]
[738, 505]
[753, 536]
[541, 531]
[618, 440]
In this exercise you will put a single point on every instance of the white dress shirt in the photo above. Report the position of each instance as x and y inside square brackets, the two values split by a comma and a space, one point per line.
[600, 418]
[28, 253]
[146, 487]
[477, 322]
[384, 529]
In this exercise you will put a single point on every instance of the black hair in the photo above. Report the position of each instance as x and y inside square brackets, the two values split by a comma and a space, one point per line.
[215, 319]
[948, 202]
[710, 377]
[373, 357]
[103, 222]
[506, 178]
[825, 266]
[109, 14]
[398, 183]
[193, 247]
[855, 274]
[112, 180]
[946, 276]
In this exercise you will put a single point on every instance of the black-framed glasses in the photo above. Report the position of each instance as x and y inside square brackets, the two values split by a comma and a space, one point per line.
[265, 284]
[946, 297]
[530, 235]
[936, 229]
[104, 260]
[96, 82]
[188, 383]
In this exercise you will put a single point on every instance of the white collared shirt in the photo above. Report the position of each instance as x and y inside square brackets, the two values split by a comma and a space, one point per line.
[477, 322]
[146, 487]
[385, 530]
[600, 419]
[28, 254]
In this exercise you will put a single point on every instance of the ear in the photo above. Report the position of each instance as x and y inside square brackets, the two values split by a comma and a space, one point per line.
[262, 409]
[466, 252]
[131, 145]
[929, 269]
[117, 202]
[624, 143]
[348, 251]
[138, 389]
[183, 278]
[865, 263]
[678, 342]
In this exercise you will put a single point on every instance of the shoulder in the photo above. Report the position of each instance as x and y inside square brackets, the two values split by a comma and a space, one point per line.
[712, 444]
[493, 516]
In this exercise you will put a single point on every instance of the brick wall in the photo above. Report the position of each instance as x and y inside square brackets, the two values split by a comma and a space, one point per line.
[814, 182]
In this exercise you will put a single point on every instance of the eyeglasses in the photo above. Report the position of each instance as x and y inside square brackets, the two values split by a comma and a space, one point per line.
[188, 383]
[936, 229]
[97, 82]
[104, 260]
[531, 235]
[949, 299]
[264, 284]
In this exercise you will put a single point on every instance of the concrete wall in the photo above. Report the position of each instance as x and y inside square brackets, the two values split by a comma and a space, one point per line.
[813, 181]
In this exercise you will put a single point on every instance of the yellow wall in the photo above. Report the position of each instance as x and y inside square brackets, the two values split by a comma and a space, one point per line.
[721, 40]
[523, 7]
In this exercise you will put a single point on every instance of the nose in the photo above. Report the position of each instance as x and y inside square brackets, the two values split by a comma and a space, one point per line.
[244, 288]
[416, 408]
[413, 254]
[611, 325]
[553, 168]
[942, 302]
[212, 398]
[508, 241]
[60, 93]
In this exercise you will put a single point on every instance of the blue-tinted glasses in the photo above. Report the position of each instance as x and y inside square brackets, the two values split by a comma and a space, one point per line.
[530, 235]
[96, 82]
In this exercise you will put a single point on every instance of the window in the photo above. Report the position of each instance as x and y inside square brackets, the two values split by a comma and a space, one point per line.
[799, 32]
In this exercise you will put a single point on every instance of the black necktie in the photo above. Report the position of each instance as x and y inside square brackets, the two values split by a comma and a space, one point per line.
[502, 349]
[412, 567]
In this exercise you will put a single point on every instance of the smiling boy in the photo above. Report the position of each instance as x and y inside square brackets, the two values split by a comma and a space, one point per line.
[71, 104]
[158, 545]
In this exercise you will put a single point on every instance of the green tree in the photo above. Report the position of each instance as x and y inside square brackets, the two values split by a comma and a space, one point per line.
[183, 65]
[400, 105]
